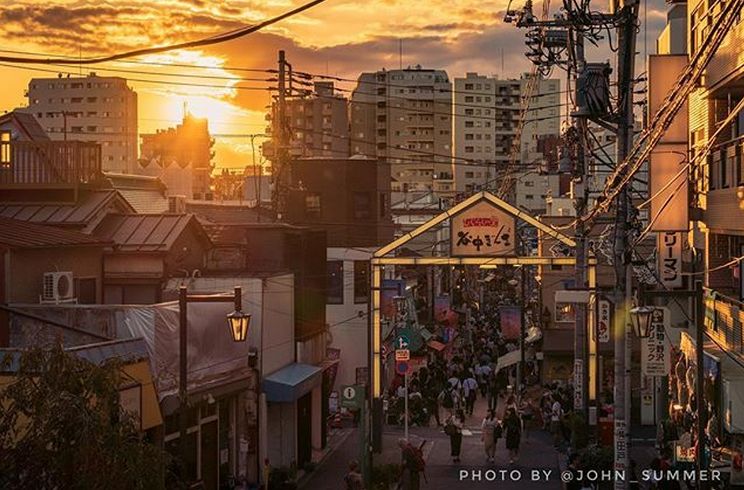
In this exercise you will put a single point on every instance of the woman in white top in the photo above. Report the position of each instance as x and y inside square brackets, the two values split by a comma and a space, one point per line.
[488, 428]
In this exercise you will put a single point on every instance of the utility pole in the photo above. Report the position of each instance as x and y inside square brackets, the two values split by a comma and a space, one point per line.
[280, 172]
[581, 368]
[626, 33]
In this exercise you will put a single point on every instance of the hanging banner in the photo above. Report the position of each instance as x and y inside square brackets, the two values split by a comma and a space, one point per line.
[655, 352]
[511, 321]
[604, 320]
[669, 259]
[482, 230]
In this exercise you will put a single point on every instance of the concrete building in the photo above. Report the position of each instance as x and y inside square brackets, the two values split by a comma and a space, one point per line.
[487, 111]
[403, 117]
[673, 38]
[180, 156]
[318, 124]
[90, 108]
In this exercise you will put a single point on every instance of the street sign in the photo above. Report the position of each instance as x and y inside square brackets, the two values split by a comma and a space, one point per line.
[352, 396]
[402, 342]
[402, 355]
[401, 367]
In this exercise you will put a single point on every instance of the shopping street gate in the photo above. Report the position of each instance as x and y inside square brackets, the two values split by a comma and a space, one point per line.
[481, 231]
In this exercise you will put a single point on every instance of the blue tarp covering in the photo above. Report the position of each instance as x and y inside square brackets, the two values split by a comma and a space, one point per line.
[291, 382]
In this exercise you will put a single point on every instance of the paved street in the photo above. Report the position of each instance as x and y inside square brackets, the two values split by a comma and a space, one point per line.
[537, 453]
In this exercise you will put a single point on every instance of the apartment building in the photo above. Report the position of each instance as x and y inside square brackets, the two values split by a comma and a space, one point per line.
[403, 117]
[719, 180]
[90, 108]
[487, 112]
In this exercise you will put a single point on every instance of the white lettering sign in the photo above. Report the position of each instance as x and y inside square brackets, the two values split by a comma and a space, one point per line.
[655, 356]
[669, 251]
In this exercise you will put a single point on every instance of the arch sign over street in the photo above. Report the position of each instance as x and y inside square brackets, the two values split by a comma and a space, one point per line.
[481, 231]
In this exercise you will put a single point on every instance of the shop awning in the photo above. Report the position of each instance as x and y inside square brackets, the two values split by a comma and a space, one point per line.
[732, 386]
[291, 382]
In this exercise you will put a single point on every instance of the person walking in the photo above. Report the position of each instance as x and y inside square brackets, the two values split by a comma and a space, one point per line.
[470, 389]
[353, 479]
[513, 428]
[556, 413]
[488, 435]
[453, 429]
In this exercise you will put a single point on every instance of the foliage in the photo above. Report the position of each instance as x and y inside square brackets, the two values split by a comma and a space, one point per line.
[579, 430]
[596, 457]
[283, 478]
[61, 427]
[385, 475]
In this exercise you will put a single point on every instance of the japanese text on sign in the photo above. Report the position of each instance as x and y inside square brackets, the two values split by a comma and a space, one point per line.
[603, 321]
[482, 229]
[670, 259]
[655, 357]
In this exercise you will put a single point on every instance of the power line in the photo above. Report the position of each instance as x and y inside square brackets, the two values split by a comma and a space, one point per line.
[217, 39]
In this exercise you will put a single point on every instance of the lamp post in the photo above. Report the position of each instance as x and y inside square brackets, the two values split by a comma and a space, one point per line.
[642, 317]
[238, 323]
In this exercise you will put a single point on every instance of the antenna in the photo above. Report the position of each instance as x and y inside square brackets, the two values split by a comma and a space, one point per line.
[400, 53]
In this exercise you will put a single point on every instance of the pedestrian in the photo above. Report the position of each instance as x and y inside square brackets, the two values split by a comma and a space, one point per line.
[488, 435]
[448, 399]
[470, 389]
[411, 465]
[556, 413]
[353, 478]
[513, 428]
[453, 428]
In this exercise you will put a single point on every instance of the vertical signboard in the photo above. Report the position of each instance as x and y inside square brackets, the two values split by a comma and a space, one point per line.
[482, 230]
[655, 355]
[604, 312]
[669, 254]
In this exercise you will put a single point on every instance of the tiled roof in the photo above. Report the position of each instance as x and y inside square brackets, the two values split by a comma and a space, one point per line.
[144, 193]
[26, 124]
[20, 234]
[73, 214]
[145, 232]
[227, 212]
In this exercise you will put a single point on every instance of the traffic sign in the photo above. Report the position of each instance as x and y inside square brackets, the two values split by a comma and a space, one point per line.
[402, 355]
[402, 342]
[352, 396]
[401, 367]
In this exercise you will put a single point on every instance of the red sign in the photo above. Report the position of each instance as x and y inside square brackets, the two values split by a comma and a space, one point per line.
[401, 367]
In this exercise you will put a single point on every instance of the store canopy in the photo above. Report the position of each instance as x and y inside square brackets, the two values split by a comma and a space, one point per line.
[291, 382]
[438, 346]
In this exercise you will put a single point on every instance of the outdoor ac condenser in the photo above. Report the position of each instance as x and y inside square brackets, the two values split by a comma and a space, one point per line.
[57, 287]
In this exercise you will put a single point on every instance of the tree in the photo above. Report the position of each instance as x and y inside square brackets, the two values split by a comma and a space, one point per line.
[61, 427]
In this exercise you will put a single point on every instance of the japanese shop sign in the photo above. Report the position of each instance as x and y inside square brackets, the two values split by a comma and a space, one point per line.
[604, 312]
[655, 355]
[482, 230]
[669, 252]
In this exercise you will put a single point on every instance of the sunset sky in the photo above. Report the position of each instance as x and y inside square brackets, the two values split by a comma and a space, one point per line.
[339, 37]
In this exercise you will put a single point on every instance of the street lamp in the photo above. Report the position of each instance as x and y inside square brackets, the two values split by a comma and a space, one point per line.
[641, 319]
[238, 323]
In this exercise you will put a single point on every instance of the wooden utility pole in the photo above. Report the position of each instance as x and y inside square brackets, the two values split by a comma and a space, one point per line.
[280, 171]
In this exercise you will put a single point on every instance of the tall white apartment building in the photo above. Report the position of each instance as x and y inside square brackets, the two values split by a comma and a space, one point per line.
[90, 108]
[404, 118]
[487, 112]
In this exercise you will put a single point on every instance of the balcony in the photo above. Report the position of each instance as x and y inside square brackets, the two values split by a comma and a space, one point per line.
[724, 318]
[52, 164]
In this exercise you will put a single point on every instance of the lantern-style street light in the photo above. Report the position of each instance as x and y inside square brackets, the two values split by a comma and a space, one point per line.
[239, 323]
[640, 317]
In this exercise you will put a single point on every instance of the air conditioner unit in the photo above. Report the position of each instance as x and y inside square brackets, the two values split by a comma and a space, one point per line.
[57, 287]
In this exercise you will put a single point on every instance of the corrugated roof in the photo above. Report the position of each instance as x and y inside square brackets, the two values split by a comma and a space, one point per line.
[73, 214]
[21, 234]
[146, 232]
[127, 350]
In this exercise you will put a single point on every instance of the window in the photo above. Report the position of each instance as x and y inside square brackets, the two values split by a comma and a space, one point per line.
[362, 205]
[92, 99]
[335, 286]
[312, 205]
[76, 100]
[468, 124]
[4, 149]
[361, 281]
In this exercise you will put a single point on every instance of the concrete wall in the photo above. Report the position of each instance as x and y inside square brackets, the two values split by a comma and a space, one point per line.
[347, 331]
[25, 270]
